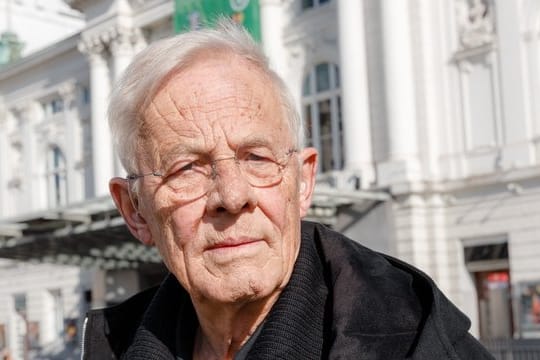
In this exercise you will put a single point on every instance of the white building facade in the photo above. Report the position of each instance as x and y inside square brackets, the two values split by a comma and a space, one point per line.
[423, 112]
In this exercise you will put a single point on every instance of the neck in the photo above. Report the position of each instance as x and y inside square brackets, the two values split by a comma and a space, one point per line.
[224, 329]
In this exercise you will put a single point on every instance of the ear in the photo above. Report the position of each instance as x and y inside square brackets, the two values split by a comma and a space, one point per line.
[127, 205]
[308, 169]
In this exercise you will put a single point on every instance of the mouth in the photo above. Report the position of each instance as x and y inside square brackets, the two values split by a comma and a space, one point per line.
[231, 243]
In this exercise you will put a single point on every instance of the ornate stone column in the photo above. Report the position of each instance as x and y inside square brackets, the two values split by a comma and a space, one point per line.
[120, 42]
[271, 34]
[354, 91]
[102, 154]
[402, 164]
[123, 44]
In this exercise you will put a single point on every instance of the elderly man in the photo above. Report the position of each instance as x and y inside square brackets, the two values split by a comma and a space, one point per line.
[218, 181]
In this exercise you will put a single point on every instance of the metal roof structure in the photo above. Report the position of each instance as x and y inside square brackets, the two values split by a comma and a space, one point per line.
[88, 234]
[93, 233]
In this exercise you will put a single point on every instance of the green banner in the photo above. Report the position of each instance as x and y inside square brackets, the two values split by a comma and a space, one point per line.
[193, 14]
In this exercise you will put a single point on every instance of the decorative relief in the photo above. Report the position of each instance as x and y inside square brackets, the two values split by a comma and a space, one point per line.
[475, 23]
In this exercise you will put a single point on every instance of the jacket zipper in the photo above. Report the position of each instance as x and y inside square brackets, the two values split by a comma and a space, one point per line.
[83, 339]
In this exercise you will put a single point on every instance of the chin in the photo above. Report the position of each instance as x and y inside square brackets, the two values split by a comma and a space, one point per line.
[238, 292]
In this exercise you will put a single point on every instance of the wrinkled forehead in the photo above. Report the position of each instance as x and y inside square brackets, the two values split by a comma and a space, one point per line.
[215, 93]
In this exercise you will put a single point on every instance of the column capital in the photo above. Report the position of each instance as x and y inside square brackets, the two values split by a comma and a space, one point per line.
[123, 40]
[93, 47]
[119, 39]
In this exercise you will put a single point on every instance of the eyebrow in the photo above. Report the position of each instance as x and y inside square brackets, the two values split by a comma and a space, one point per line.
[178, 150]
[254, 142]
[277, 148]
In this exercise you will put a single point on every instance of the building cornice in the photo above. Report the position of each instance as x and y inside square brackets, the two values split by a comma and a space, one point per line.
[501, 180]
[39, 57]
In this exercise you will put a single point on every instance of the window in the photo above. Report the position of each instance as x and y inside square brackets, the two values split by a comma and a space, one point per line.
[308, 4]
[57, 105]
[19, 303]
[55, 312]
[322, 115]
[20, 325]
[85, 94]
[486, 258]
[53, 106]
[56, 174]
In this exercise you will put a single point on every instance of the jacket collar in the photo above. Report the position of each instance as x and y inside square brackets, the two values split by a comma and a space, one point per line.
[342, 301]
[293, 329]
[155, 338]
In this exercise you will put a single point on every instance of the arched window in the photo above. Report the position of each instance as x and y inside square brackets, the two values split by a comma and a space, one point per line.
[321, 104]
[56, 177]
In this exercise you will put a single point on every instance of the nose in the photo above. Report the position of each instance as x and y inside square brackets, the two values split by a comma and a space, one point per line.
[230, 192]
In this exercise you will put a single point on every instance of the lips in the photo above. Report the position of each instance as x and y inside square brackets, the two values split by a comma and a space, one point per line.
[231, 243]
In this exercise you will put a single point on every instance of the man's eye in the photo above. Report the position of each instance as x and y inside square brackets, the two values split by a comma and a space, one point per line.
[256, 158]
[187, 167]
[184, 169]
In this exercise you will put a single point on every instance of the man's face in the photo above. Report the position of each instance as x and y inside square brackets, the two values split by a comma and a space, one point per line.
[237, 242]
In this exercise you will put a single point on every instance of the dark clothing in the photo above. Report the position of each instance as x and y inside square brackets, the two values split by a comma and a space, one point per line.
[343, 301]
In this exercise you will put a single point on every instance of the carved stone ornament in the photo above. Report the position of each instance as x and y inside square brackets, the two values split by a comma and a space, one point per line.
[91, 46]
[122, 39]
[475, 23]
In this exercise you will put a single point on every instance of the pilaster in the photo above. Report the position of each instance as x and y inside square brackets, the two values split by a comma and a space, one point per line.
[73, 143]
[516, 130]
[31, 178]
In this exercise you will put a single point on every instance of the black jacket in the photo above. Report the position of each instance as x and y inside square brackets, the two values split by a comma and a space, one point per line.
[343, 301]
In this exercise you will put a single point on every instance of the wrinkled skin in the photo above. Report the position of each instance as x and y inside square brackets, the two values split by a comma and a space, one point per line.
[237, 244]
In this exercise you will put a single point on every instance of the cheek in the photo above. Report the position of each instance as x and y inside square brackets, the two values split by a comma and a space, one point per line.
[280, 205]
[184, 223]
[171, 226]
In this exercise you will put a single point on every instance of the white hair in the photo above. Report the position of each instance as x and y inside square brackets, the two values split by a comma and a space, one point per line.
[153, 66]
